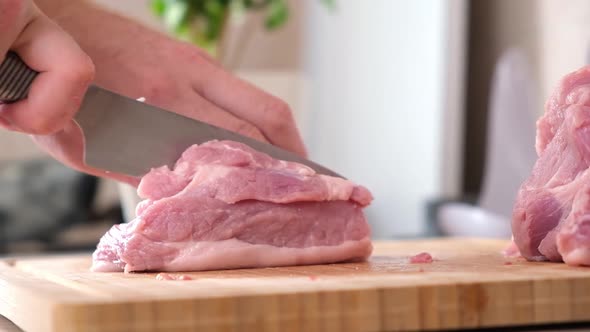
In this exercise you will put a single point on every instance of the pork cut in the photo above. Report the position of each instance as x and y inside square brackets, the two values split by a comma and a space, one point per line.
[225, 205]
[421, 258]
[551, 216]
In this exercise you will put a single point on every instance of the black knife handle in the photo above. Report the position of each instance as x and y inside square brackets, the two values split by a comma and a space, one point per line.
[15, 79]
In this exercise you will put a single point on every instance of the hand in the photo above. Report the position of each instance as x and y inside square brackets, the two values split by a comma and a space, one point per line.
[138, 62]
[65, 70]
[181, 78]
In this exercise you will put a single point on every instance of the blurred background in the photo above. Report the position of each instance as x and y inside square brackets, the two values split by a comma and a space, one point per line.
[430, 104]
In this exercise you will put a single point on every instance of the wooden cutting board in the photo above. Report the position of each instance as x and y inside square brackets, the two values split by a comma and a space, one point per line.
[470, 284]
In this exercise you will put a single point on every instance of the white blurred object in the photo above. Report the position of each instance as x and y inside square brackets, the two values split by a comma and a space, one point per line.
[567, 22]
[510, 153]
[511, 133]
[461, 219]
[386, 102]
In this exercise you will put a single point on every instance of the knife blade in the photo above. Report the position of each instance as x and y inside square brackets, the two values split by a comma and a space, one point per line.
[126, 136]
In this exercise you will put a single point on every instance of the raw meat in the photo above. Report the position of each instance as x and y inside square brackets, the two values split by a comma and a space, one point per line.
[225, 205]
[421, 258]
[511, 250]
[167, 276]
[551, 217]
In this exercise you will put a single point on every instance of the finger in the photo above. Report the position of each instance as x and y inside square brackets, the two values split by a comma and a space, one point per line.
[67, 146]
[65, 72]
[270, 114]
[188, 51]
[192, 105]
[203, 110]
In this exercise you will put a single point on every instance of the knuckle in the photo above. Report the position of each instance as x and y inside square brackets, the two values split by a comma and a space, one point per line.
[84, 70]
[278, 115]
[80, 72]
[87, 69]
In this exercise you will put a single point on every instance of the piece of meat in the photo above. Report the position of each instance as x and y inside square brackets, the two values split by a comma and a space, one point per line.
[225, 206]
[421, 258]
[573, 238]
[167, 276]
[511, 250]
[550, 213]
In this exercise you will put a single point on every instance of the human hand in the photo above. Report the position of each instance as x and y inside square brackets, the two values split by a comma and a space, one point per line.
[179, 77]
[65, 70]
[138, 62]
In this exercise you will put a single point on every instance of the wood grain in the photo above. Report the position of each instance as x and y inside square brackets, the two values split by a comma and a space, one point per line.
[469, 285]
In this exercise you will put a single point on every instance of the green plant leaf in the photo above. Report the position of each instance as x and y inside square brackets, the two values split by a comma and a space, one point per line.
[176, 15]
[158, 7]
[201, 21]
[256, 4]
[214, 7]
[278, 14]
[331, 4]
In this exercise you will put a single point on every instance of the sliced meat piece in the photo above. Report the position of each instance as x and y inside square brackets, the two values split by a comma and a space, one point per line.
[551, 206]
[225, 205]
[573, 239]
[421, 258]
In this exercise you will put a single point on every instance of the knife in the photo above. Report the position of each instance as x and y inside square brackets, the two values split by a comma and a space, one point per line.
[126, 136]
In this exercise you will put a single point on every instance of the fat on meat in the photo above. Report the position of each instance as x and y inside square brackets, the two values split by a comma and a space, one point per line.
[224, 205]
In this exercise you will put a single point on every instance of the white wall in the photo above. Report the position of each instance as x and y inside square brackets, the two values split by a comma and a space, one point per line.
[379, 90]
[563, 39]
